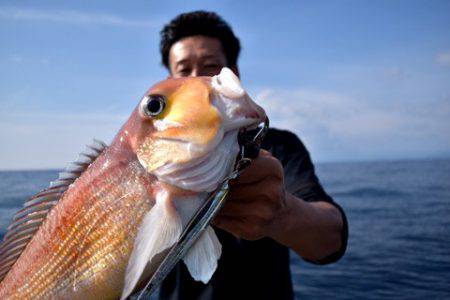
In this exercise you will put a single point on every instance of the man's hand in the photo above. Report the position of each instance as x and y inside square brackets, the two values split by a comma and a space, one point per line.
[259, 206]
[256, 201]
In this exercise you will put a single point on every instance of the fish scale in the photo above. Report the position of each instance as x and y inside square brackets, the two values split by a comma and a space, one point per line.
[101, 237]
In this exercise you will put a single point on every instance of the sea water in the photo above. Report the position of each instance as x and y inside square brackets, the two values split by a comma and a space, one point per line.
[399, 219]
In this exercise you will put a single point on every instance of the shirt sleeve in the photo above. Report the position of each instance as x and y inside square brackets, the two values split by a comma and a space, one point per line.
[301, 180]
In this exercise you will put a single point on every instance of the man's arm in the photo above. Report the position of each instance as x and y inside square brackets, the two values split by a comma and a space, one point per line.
[259, 206]
[311, 229]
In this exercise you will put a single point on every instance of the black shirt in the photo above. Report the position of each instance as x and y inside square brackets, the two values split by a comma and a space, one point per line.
[258, 269]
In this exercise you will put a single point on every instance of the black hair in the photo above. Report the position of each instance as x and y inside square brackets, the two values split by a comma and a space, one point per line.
[200, 23]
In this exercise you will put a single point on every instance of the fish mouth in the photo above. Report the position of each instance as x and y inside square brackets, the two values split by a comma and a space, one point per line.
[239, 125]
[212, 162]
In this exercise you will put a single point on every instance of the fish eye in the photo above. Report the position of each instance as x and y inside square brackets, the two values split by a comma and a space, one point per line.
[153, 105]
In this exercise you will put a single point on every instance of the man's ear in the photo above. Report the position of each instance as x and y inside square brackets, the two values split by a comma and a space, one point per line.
[235, 70]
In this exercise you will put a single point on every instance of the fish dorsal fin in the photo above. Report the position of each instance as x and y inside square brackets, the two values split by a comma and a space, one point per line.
[27, 220]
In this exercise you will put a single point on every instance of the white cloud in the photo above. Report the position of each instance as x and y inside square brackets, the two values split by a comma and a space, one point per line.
[70, 16]
[337, 127]
[443, 59]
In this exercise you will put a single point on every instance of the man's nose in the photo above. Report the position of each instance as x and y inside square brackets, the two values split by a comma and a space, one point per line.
[195, 72]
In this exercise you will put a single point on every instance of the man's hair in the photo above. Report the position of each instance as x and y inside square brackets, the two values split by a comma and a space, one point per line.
[200, 23]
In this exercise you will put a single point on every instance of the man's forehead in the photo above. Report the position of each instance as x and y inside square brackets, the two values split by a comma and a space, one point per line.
[196, 46]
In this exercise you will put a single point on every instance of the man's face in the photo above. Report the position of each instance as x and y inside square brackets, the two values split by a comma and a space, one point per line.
[196, 56]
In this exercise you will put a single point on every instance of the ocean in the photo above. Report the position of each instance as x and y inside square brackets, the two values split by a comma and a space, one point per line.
[399, 219]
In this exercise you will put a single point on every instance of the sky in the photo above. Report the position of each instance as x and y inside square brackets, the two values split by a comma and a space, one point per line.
[355, 80]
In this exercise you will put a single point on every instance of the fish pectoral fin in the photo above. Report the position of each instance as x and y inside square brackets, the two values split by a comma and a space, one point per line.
[160, 229]
[201, 259]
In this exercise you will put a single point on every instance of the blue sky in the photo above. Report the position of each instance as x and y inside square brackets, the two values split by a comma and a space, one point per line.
[356, 80]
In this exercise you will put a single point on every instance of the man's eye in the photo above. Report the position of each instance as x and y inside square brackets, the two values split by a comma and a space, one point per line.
[211, 66]
[184, 72]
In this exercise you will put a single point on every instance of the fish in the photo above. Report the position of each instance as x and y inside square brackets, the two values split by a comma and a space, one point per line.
[103, 227]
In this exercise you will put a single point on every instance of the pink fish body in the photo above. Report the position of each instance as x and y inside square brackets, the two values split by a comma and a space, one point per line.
[102, 229]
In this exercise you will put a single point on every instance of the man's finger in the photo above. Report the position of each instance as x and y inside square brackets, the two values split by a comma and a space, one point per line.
[263, 152]
[264, 189]
[236, 209]
[256, 212]
[260, 168]
[233, 225]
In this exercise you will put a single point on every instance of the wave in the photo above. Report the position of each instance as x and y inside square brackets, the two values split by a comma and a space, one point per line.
[370, 192]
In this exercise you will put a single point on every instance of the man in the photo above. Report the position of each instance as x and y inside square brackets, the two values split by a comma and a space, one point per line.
[277, 203]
